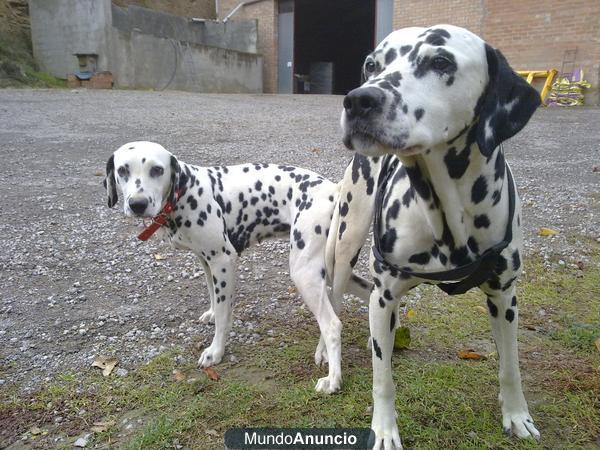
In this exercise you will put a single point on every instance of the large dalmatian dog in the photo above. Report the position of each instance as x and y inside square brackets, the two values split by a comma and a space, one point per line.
[426, 126]
[217, 212]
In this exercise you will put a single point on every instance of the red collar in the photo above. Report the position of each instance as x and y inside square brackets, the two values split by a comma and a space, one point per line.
[159, 220]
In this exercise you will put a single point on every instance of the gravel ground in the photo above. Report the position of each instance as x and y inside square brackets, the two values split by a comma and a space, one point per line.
[76, 283]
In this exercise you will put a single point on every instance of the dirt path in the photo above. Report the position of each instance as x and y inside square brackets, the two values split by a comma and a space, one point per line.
[75, 282]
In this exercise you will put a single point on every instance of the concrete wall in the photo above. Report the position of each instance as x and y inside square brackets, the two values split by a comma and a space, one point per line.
[185, 8]
[148, 62]
[60, 28]
[532, 35]
[265, 12]
[233, 35]
[146, 49]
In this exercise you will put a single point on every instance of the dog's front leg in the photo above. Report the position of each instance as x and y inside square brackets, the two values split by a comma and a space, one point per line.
[502, 306]
[209, 316]
[222, 268]
[383, 320]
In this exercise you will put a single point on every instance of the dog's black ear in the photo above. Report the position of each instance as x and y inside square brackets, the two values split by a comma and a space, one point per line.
[175, 179]
[506, 105]
[109, 182]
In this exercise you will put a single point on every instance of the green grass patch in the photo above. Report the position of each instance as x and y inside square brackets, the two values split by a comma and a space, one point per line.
[17, 66]
[442, 401]
[579, 336]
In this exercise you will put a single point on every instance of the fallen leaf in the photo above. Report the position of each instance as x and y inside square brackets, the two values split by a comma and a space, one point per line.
[410, 313]
[212, 432]
[580, 265]
[100, 427]
[481, 309]
[212, 374]
[470, 354]
[531, 327]
[159, 257]
[98, 174]
[596, 169]
[179, 375]
[35, 430]
[292, 290]
[401, 338]
[106, 363]
[547, 232]
[597, 342]
[315, 150]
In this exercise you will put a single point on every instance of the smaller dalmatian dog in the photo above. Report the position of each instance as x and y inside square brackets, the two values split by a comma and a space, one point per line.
[427, 126]
[217, 212]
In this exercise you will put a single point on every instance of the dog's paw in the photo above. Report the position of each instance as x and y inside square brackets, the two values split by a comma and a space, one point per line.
[210, 357]
[515, 417]
[386, 431]
[329, 384]
[521, 424]
[208, 317]
[321, 357]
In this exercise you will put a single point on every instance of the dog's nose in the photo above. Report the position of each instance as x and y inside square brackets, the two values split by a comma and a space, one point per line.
[138, 205]
[361, 102]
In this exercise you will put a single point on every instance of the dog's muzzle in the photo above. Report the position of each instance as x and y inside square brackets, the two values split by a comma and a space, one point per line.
[138, 206]
[362, 109]
[363, 102]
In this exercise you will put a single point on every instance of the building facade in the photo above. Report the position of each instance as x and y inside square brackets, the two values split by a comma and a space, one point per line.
[532, 35]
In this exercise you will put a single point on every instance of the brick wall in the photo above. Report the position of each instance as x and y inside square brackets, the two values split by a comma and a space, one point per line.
[266, 14]
[532, 35]
[463, 13]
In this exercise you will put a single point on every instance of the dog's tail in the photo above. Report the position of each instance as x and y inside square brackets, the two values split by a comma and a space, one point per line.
[352, 216]
[331, 236]
[360, 287]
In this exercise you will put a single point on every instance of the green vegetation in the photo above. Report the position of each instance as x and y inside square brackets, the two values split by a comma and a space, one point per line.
[17, 66]
[443, 402]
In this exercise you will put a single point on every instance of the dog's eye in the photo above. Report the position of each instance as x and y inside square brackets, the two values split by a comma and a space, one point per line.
[370, 67]
[156, 171]
[122, 171]
[440, 63]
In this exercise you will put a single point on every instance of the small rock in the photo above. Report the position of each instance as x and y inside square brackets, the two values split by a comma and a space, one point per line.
[82, 441]
[122, 372]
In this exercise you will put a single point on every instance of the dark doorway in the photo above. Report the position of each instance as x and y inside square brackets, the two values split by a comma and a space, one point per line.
[331, 40]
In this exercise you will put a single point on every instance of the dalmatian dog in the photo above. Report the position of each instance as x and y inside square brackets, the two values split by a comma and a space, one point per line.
[426, 126]
[217, 212]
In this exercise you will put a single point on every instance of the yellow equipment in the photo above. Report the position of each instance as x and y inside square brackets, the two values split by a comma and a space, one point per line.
[547, 74]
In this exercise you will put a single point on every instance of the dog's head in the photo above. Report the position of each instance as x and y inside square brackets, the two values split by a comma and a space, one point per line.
[423, 87]
[146, 174]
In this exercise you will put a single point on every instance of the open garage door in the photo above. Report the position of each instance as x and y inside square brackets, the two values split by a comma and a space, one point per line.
[331, 40]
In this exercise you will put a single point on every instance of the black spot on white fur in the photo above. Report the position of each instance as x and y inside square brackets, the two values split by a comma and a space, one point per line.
[376, 348]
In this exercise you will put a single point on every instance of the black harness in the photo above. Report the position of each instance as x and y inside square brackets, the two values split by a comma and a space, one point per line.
[468, 276]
